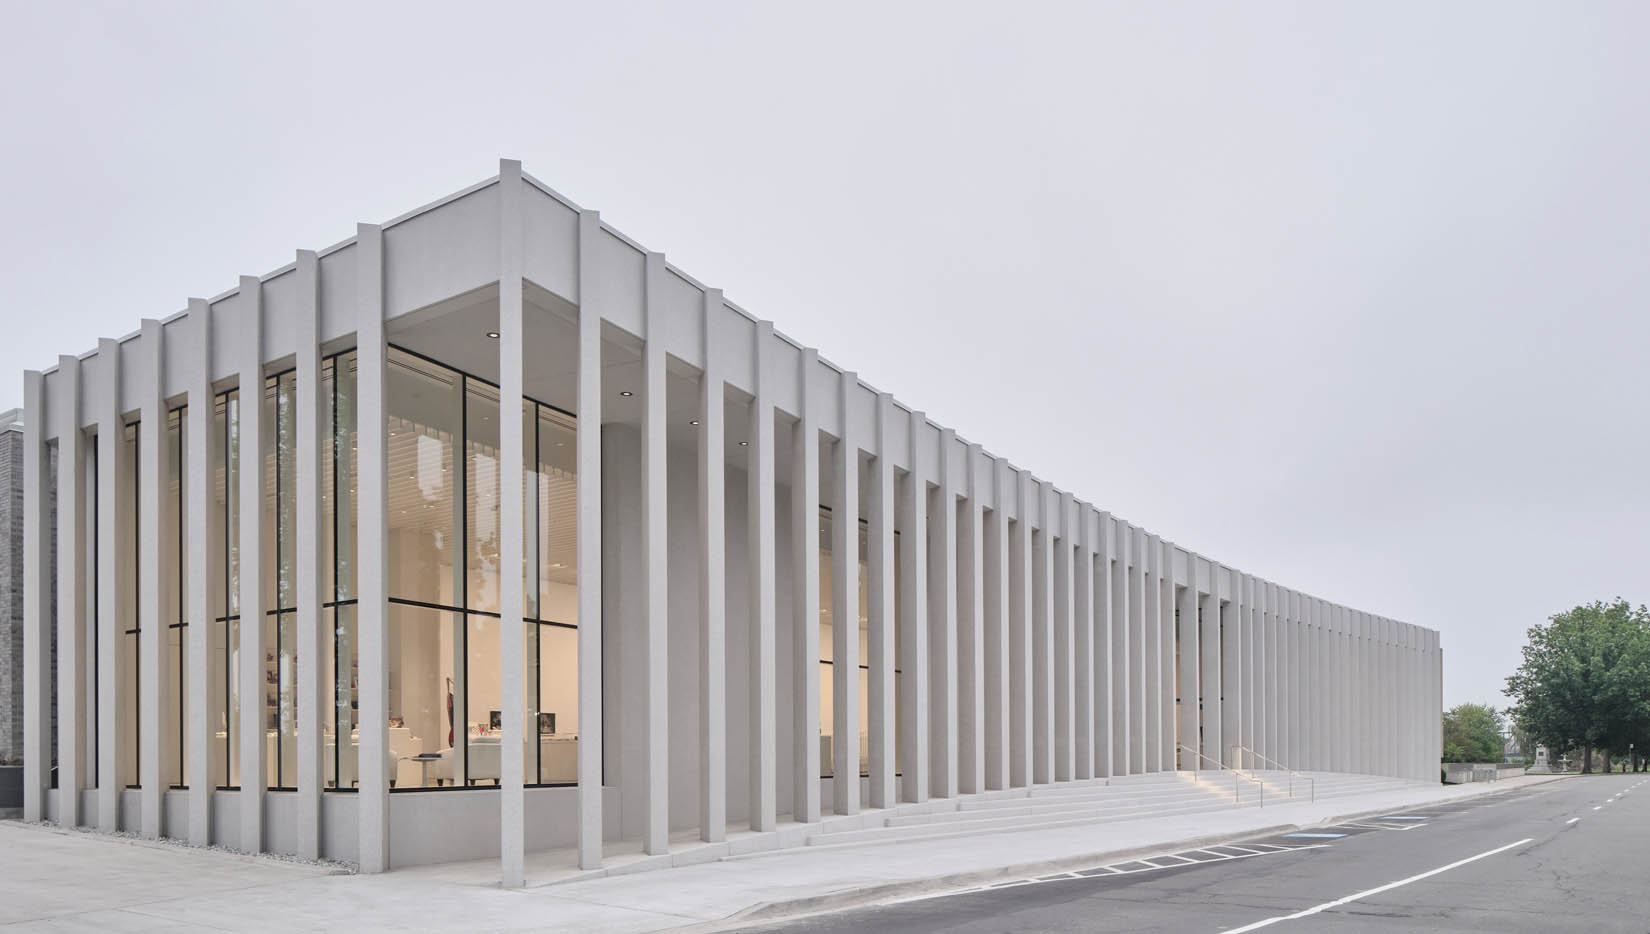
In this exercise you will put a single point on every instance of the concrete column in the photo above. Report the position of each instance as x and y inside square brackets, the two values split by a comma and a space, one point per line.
[880, 644]
[1082, 602]
[254, 565]
[845, 610]
[1209, 668]
[310, 464]
[713, 582]
[512, 523]
[1122, 559]
[1021, 677]
[110, 624]
[1231, 668]
[151, 608]
[913, 636]
[1165, 656]
[942, 625]
[1151, 649]
[37, 695]
[1249, 673]
[1323, 684]
[1137, 651]
[764, 734]
[1042, 608]
[1065, 639]
[588, 497]
[372, 568]
[998, 699]
[1105, 550]
[72, 706]
[1187, 681]
[971, 687]
[805, 597]
[198, 459]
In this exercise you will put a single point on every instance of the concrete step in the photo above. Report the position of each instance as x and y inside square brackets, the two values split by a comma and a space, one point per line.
[999, 825]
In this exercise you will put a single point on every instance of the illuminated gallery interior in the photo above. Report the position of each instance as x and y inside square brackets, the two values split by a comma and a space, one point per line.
[553, 550]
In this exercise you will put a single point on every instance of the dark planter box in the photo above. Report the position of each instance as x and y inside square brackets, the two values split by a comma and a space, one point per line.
[11, 786]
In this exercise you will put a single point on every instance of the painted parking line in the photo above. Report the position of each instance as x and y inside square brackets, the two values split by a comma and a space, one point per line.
[1572, 820]
[1132, 867]
[1317, 836]
[1315, 909]
[1406, 817]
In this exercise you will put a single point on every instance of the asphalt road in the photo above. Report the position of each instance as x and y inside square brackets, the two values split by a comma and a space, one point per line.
[1567, 855]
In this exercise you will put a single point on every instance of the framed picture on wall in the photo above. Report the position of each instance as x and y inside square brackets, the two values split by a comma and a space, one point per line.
[495, 720]
[547, 722]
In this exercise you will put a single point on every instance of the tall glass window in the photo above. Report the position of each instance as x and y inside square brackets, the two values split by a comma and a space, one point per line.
[127, 520]
[827, 649]
[279, 672]
[445, 688]
[223, 647]
[338, 558]
[174, 584]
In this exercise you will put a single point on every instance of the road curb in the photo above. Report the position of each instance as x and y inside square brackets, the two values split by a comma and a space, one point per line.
[854, 898]
[787, 909]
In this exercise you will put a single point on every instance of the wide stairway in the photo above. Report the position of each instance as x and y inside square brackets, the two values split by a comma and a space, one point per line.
[1095, 801]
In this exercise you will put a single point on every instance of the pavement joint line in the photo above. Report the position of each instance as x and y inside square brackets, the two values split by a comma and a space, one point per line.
[1325, 906]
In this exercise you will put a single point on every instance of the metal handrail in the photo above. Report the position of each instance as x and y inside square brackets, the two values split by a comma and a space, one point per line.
[1311, 782]
[1236, 776]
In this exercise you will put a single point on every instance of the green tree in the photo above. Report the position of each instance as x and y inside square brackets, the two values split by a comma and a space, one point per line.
[1585, 680]
[1472, 733]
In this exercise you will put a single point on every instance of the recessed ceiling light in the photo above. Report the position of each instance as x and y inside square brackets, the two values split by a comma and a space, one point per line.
[626, 393]
[493, 335]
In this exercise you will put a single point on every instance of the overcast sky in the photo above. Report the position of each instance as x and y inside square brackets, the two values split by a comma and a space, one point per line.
[1350, 297]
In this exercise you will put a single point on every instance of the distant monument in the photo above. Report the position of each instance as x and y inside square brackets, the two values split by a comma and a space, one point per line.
[1541, 767]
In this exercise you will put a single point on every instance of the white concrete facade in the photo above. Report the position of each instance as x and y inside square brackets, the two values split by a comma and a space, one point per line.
[1010, 632]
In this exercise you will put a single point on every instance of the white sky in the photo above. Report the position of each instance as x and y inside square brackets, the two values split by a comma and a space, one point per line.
[1349, 297]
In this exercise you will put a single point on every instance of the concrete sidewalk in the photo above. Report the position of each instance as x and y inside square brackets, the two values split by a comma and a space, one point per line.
[67, 880]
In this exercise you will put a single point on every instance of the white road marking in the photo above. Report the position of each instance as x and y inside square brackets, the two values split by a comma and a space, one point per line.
[1599, 808]
[1315, 909]
[1572, 820]
[1317, 836]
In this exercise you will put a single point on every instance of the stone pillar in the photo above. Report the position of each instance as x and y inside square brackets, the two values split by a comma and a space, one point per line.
[1151, 649]
[713, 663]
[151, 599]
[588, 498]
[1082, 601]
[805, 597]
[1042, 608]
[1209, 660]
[37, 582]
[197, 602]
[971, 683]
[1120, 648]
[845, 610]
[1137, 650]
[1065, 639]
[881, 623]
[1166, 659]
[1021, 676]
[372, 581]
[764, 740]
[942, 625]
[1188, 744]
[110, 623]
[998, 700]
[913, 636]
[310, 462]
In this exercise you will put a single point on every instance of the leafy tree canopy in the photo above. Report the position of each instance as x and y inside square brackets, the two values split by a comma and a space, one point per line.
[1585, 679]
[1472, 733]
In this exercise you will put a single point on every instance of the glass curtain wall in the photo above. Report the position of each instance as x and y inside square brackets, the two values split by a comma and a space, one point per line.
[224, 594]
[126, 527]
[443, 552]
[172, 570]
[338, 562]
[827, 622]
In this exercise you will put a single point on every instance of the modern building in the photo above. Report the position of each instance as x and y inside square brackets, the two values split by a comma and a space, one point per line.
[642, 609]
